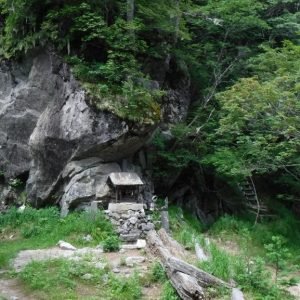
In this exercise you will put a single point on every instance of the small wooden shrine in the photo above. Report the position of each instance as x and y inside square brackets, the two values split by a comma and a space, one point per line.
[126, 186]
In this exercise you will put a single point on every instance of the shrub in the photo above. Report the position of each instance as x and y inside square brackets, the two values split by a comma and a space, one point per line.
[277, 253]
[111, 244]
[124, 288]
[158, 273]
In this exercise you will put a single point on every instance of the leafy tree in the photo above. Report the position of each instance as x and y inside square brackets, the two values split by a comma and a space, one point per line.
[277, 253]
[258, 129]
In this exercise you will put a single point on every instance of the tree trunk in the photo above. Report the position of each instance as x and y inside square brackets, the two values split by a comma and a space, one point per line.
[174, 247]
[130, 10]
[177, 21]
[130, 17]
[165, 216]
[185, 278]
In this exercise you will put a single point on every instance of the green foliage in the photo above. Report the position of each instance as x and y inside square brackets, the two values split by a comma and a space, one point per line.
[249, 271]
[248, 266]
[277, 253]
[43, 228]
[121, 288]
[158, 273]
[111, 244]
[169, 293]
[253, 239]
[185, 227]
[112, 49]
[219, 264]
[258, 128]
[100, 45]
[56, 279]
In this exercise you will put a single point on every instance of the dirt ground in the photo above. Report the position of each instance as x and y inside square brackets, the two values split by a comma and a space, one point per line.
[11, 289]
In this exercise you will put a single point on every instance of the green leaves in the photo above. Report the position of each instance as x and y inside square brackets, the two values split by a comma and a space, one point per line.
[258, 127]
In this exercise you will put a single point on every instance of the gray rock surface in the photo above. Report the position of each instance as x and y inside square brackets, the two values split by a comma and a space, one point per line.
[46, 123]
[134, 260]
[49, 130]
[85, 180]
[129, 237]
[69, 129]
[26, 88]
[177, 100]
[26, 256]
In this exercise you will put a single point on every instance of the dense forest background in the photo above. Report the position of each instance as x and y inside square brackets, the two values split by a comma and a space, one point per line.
[241, 58]
[200, 98]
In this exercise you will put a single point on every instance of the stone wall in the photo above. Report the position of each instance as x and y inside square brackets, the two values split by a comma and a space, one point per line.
[130, 220]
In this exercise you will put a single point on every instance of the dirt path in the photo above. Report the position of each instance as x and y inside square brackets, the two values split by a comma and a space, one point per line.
[10, 290]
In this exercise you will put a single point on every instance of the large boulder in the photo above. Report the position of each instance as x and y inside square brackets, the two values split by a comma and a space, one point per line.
[46, 122]
[69, 129]
[84, 181]
[48, 127]
[26, 88]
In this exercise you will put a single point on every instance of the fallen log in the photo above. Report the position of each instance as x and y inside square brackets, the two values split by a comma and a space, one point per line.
[174, 247]
[201, 276]
[185, 278]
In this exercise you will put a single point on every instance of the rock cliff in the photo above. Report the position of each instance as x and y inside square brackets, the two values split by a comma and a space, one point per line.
[50, 133]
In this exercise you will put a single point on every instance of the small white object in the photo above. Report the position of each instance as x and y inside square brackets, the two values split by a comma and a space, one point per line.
[207, 241]
[140, 244]
[134, 260]
[133, 220]
[237, 294]
[65, 246]
[21, 208]
[87, 276]
[116, 270]
[200, 253]
[87, 238]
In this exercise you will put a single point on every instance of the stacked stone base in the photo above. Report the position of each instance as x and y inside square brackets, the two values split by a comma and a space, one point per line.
[130, 220]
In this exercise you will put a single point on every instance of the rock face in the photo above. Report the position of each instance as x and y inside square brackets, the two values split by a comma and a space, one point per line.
[49, 131]
[85, 180]
[26, 89]
[174, 77]
[69, 129]
[48, 128]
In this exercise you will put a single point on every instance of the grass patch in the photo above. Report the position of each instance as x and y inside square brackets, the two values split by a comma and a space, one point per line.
[123, 288]
[185, 227]
[250, 266]
[254, 238]
[63, 279]
[44, 228]
[169, 293]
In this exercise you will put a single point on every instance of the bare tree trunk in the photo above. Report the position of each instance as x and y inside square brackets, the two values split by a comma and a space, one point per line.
[130, 10]
[165, 216]
[177, 21]
[174, 247]
[130, 17]
[188, 280]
